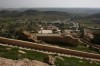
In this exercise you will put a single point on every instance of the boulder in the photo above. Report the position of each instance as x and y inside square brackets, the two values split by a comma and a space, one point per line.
[50, 60]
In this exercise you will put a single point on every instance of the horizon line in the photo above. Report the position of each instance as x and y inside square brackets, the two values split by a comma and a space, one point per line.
[46, 7]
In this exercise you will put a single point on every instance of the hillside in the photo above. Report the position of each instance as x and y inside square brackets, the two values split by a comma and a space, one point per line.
[14, 56]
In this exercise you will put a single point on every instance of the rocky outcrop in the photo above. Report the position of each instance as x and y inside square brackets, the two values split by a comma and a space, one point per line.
[49, 59]
[29, 37]
[88, 35]
[24, 62]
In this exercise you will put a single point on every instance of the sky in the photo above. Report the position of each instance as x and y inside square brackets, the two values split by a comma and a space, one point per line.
[49, 3]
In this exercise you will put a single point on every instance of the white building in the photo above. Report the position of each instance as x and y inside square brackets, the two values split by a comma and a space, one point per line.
[45, 31]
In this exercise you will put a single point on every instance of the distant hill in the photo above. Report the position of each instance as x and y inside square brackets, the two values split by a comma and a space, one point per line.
[69, 10]
[37, 15]
[95, 15]
[33, 13]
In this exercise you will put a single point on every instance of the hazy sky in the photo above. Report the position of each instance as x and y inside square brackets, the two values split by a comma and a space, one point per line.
[49, 3]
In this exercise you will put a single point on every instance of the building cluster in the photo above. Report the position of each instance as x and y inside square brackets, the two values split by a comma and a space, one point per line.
[49, 29]
[65, 28]
[52, 28]
[54, 32]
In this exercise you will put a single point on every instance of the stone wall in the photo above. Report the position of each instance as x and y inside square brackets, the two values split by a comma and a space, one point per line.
[48, 48]
[67, 39]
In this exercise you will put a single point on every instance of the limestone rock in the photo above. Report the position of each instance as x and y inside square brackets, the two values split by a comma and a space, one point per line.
[22, 52]
[24, 62]
[49, 59]
[58, 57]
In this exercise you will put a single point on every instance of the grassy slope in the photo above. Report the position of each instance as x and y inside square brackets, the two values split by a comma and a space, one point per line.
[68, 61]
